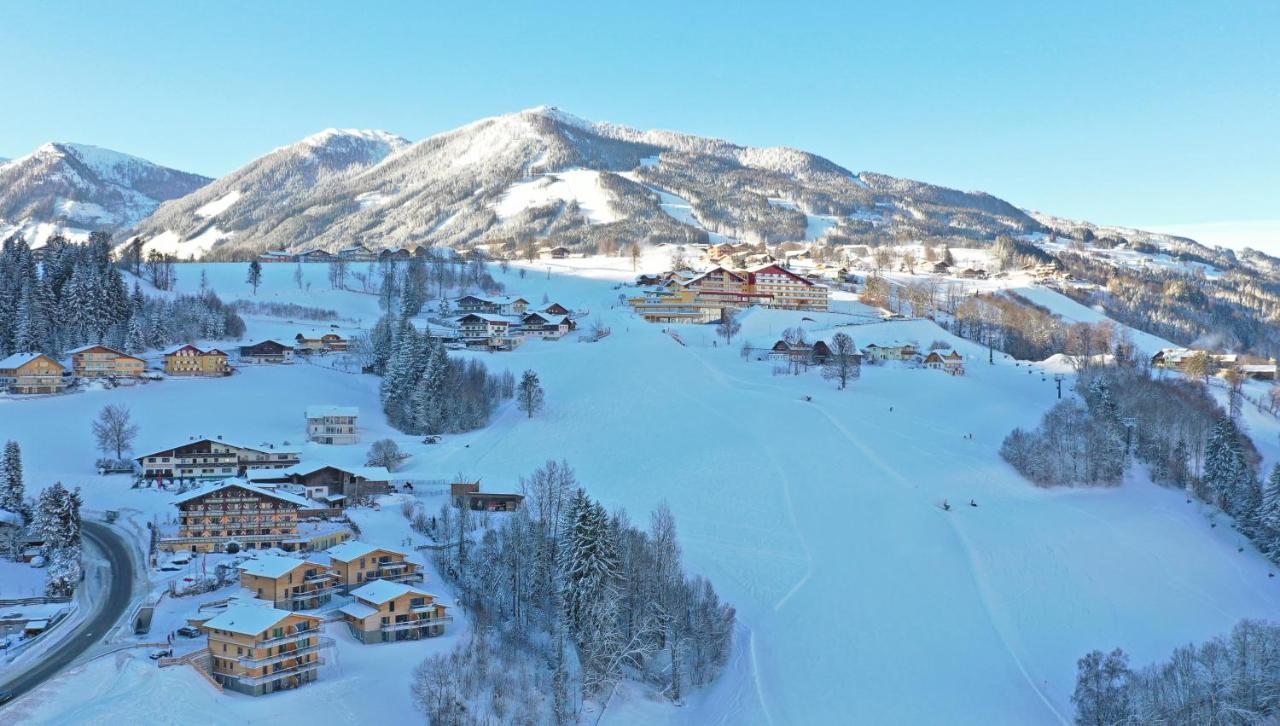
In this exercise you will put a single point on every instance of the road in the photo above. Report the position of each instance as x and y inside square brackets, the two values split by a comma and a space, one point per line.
[94, 628]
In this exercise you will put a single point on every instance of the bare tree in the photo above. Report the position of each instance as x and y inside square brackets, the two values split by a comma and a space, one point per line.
[114, 430]
[729, 325]
[387, 453]
[843, 364]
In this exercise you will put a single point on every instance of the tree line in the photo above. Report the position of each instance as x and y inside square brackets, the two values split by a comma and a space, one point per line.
[585, 595]
[54, 518]
[77, 296]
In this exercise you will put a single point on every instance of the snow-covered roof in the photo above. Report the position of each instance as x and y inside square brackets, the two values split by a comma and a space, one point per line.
[368, 472]
[354, 550]
[323, 411]
[358, 610]
[85, 348]
[247, 619]
[1258, 368]
[17, 360]
[7, 517]
[492, 318]
[202, 491]
[262, 448]
[380, 591]
[273, 566]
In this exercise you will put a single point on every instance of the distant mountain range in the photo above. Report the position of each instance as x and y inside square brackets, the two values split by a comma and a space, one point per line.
[73, 189]
[539, 174]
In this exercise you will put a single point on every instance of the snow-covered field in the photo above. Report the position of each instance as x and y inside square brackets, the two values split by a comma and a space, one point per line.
[859, 599]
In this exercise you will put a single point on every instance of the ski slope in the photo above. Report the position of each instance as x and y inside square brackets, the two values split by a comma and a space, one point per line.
[859, 599]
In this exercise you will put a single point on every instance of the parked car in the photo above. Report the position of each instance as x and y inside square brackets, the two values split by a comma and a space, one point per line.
[161, 654]
[189, 631]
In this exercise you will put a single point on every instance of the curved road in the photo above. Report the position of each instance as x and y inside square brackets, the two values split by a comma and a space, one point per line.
[91, 631]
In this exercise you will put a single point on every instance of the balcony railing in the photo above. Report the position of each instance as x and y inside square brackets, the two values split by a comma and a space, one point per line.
[297, 597]
[217, 539]
[266, 660]
[275, 675]
[420, 623]
[291, 638]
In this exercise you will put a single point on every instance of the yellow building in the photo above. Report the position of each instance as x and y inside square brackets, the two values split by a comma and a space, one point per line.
[31, 373]
[188, 360]
[386, 611]
[99, 361]
[259, 650]
[288, 583]
[211, 518]
[356, 563]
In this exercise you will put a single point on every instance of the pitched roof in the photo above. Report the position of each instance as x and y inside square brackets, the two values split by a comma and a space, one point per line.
[273, 566]
[380, 591]
[202, 491]
[262, 448]
[87, 348]
[247, 619]
[355, 549]
[358, 610]
[17, 360]
[318, 411]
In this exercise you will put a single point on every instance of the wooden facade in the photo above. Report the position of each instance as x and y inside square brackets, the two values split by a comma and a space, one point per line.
[390, 611]
[210, 519]
[356, 563]
[260, 650]
[188, 360]
[31, 373]
[99, 361]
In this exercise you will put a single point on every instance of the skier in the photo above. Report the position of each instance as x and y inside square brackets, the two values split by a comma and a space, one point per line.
[946, 507]
[972, 503]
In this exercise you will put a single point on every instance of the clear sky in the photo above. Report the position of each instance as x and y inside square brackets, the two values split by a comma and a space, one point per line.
[1119, 112]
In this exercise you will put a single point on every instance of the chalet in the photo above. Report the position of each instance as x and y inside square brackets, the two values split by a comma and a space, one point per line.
[894, 351]
[211, 459]
[820, 353]
[356, 253]
[333, 343]
[188, 360]
[492, 306]
[1259, 371]
[99, 361]
[649, 280]
[385, 611]
[397, 254]
[258, 650]
[277, 256]
[949, 361]
[31, 373]
[267, 351]
[356, 563]
[333, 424]
[288, 583]
[492, 330]
[940, 268]
[717, 279]
[468, 495]
[970, 273]
[210, 519]
[314, 256]
[321, 482]
[555, 309]
[539, 325]
[553, 253]
[803, 353]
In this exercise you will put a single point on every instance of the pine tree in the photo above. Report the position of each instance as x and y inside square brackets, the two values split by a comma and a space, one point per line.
[255, 275]
[12, 489]
[135, 340]
[529, 395]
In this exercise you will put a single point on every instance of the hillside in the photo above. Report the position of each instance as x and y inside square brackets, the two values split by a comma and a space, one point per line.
[74, 189]
[545, 174]
[818, 519]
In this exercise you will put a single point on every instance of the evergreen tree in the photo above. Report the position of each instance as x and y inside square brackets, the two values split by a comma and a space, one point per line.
[529, 395]
[255, 275]
[12, 490]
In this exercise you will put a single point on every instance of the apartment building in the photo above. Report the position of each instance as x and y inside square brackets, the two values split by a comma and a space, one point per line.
[31, 373]
[99, 361]
[188, 360]
[386, 611]
[233, 511]
[333, 424]
[260, 650]
[212, 459]
[288, 583]
[356, 563]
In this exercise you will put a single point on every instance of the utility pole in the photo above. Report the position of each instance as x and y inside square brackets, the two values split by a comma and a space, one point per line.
[1057, 378]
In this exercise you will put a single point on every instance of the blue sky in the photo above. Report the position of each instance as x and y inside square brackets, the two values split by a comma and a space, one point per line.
[1126, 113]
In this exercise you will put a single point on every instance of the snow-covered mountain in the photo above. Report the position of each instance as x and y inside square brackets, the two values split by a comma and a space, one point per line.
[542, 173]
[74, 189]
[273, 200]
